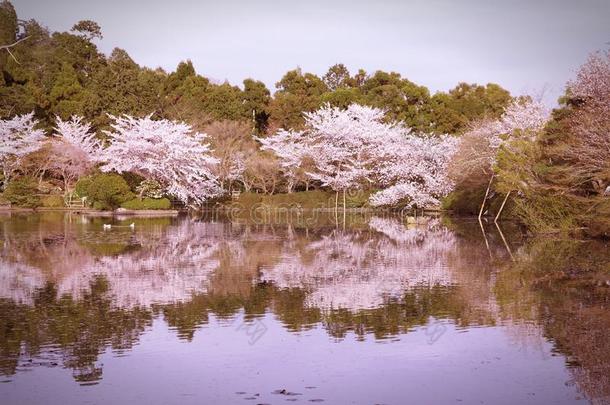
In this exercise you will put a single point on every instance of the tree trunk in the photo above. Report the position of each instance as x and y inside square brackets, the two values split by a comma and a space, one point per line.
[502, 206]
[485, 198]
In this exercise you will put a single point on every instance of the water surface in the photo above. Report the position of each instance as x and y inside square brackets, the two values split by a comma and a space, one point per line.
[307, 309]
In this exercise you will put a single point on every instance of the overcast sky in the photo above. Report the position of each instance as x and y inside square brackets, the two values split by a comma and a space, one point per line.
[523, 45]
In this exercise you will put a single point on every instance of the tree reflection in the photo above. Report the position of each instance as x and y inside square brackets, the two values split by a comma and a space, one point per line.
[69, 291]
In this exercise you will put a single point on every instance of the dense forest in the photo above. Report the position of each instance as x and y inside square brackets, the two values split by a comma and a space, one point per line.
[64, 74]
[475, 149]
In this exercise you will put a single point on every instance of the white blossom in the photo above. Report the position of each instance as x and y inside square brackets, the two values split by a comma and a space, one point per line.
[166, 151]
[18, 138]
[78, 134]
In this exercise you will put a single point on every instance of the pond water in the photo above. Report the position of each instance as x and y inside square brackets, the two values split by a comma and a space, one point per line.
[362, 309]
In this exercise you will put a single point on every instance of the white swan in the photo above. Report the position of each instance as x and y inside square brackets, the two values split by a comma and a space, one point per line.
[107, 226]
[132, 225]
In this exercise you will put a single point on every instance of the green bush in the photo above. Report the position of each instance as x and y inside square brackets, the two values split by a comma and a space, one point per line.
[22, 192]
[108, 191]
[52, 201]
[147, 204]
[82, 186]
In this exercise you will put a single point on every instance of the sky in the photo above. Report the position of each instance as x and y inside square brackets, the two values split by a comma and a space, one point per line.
[527, 46]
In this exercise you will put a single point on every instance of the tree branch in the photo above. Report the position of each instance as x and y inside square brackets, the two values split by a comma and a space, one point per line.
[7, 47]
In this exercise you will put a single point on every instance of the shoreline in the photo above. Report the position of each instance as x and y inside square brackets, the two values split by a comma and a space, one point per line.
[92, 212]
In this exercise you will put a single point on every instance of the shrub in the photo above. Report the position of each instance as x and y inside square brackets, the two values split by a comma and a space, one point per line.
[108, 191]
[147, 204]
[22, 192]
[82, 186]
[52, 201]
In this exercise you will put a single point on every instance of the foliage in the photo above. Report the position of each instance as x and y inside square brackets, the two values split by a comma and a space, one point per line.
[88, 29]
[562, 174]
[147, 204]
[497, 154]
[108, 191]
[22, 192]
[81, 187]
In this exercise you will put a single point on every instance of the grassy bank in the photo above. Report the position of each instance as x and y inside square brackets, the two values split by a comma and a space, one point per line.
[317, 199]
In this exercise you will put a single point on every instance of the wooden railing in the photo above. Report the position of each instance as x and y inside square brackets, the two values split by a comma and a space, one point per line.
[76, 202]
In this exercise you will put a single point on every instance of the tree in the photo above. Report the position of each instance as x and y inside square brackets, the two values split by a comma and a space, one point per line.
[589, 150]
[297, 92]
[414, 170]
[68, 96]
[256, 101]
[337, 76]
[262, 172]
[166, 151]
[18, 138]
[354, 148]
[231, 141]
[75, 149]
[292, 150]
[88, 29]
[342, 143]
[402, 99]
[453, 111]
[474, 162]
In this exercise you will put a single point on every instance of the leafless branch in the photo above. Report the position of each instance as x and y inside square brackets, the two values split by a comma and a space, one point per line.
[7, 47]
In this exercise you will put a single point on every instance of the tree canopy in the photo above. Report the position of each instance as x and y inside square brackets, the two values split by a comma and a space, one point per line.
[65, 74]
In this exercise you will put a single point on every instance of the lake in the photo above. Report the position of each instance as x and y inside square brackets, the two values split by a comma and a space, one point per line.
[306, 308]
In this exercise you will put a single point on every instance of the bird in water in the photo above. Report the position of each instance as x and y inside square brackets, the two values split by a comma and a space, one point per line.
[109, 226]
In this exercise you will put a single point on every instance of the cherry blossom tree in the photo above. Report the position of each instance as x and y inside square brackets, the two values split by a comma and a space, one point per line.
[343, 144]
[355, 147]
[592, 83]
[18, 138]
[166, 151]
[590, 122]
[237, 167]
[75, 149]
[414, 170]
